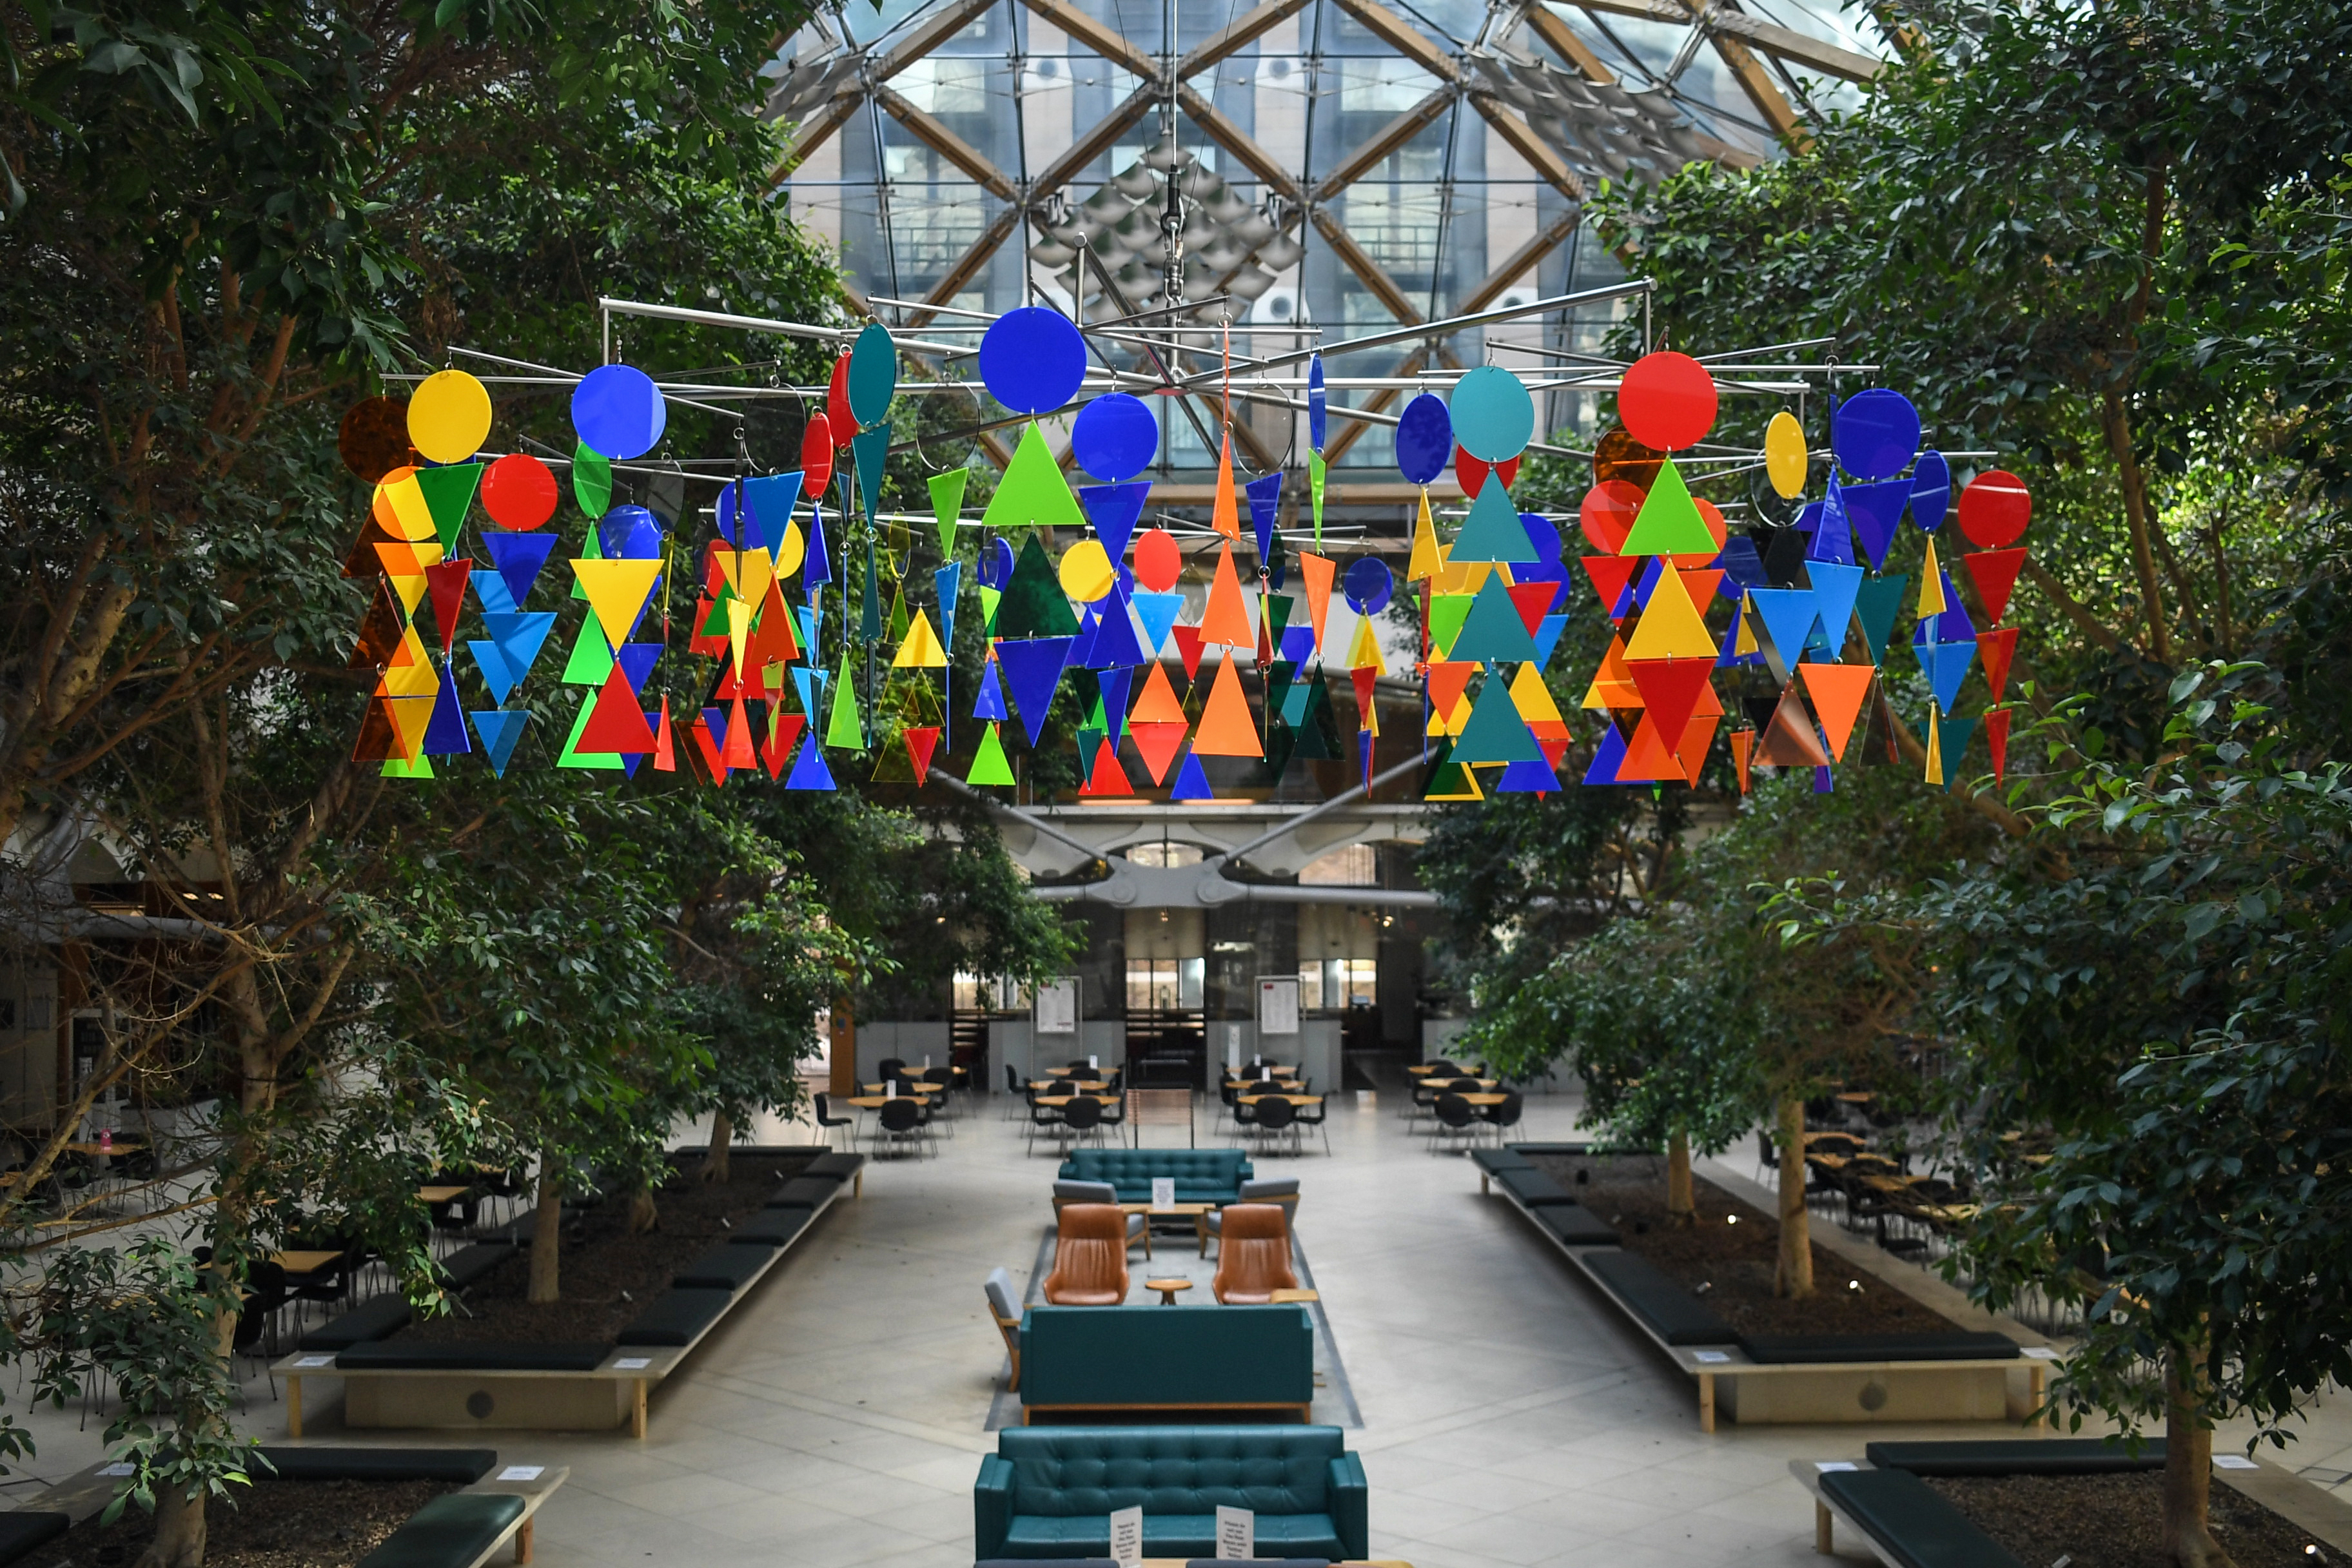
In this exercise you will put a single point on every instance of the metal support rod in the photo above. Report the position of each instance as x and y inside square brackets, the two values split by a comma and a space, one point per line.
[1293, 824]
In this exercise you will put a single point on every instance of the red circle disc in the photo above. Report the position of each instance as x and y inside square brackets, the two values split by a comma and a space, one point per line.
[1667, 401]
[1995, 509]
[1158, 562]
[816, 454]
[519, 491]
[1472, 473]
[1608, 512]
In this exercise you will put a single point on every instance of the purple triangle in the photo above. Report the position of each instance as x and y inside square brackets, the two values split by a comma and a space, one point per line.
[1115, 643]
[1190, 784]
[518, 557]
[1032, 667]
[446, 735]
[1875, 510]
[1608, 759]
[990, 704]
[1113, 510]
[1264, 496]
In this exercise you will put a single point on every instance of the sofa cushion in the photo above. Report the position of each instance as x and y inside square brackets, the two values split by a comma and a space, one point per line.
[1201, 1175]
[770, 1227]
[1781, 1350]
[833, 1168]
[21, 1532]
[1188, 1535]
[1673, 1314]
[1084, 1473]
[1532, 1187]
[2018, 1457]
[1575, 1224]
[1166, 1357]
[729, 1266]
[473, 1355]
[1494, 1162]
[469, 1266]
[805, 1193]
[463, 1466]
[370, 1319]
[454, 1528]
[1917, 1528]
[675, 1316]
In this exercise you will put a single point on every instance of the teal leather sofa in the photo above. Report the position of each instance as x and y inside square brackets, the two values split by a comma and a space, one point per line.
[1167, 1358]
[1049, 1491]
[1203, 1175]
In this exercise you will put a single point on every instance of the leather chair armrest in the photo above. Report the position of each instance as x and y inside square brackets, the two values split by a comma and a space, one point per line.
[992, 1506]
[1350, 1505]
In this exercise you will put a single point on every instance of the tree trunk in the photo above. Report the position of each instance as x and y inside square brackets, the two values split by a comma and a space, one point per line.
[1795, 1278]
[179, 1531]
[1680, 1209]
[2188, 1463]
[644, 1215]
[722, 1143]
[547, 1231]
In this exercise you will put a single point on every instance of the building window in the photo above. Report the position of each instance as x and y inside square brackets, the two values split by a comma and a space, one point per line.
[1336, 983]
[1164, 984]
[1163, 854]
[1351, 865]
[987, 994]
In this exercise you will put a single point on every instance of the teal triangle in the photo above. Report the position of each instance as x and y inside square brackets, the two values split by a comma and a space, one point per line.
[1493, 632]
[1878, 602]
[499, 730]
[1495, 733]
[873, 450]
[1958, 732]
[1295, 701]
[1494, 531]
[1834, 590]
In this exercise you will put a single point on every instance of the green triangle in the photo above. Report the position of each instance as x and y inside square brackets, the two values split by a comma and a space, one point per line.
[1033, 493]
[947, 504]
[714, 624]
[900, 621]
[1877, 602]
[592, 551]
[591, 655]
[1034, 604]
[1446, 614]
[1493, 632]
[988, 599]
[1668, 523]
[571, 757]
[1315, 487]
[842, 729]
[400, 768]
[1277, 608]
[989, 765]
[448, 493]
[591, 480]
[1495, 733]
[1494, 531]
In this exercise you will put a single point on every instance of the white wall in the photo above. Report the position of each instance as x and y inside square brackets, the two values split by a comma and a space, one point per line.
[1014, 1042]
[910, 1043]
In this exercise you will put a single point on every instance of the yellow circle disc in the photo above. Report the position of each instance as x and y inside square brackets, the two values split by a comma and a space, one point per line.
[1784, 455]
[399, 506]
[1086, 571]
[792, 551]
[449, 417]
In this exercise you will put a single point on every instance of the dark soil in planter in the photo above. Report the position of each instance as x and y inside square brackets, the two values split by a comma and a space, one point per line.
[2111, 1521]
[274, 1524]
[1731, 1255]
[608, 1275]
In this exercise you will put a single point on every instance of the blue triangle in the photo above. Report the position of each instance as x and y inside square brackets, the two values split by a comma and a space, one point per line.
[1113, 510]
[990, 704]
[1298, 643]
[1034, 667]
[1495, 733]
[817, 567]
[1546, 638]
[1158, 612]
[1947, 666]
[1264, 496]
[1646, 582]
[1115, 647]
[1190, 784]
[810, 771]
[715, 721]
[1875, 510]
[772, 500]
[492, 591]
[1788, 615]
[1833, 536]
[1082, 653]
[1494, 531]
[518, 557]
[1834, 587]
[946, 581]
[500, 728]
[806, 615]
[497, 673]
[1742, 563]
[1113, 686]
[520, 633]
[445, 736]
[636, 661]
[1529, 778]
[1608, 758]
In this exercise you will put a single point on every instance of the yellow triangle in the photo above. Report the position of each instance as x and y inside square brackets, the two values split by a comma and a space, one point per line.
[410, 591]
[1934, 747]
[617, 590]
[1532, 697]
[410, 719]
[1364, 653]
[1671, 628]
[1372, 716]
[758, 569]
[739, 632]
[1427, 560]
[1468, 577]
[922, 649]
[1613, 685]
[730, 567]
[414, 674]
[1744, 641]
[1931, 595]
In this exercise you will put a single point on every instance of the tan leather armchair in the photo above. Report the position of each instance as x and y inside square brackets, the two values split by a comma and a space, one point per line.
[1253, 1256]
[1089, 1258]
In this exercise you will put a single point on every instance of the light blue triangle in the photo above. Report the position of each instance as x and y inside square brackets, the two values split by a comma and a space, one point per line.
[804, 678]
[1494, 531]
[1947, 665]
[500, 728]
[1834, 587]
[497, 673]
[1546, 638]
[1158, 612]
[1495, 733]
[520, 633]
[1788, 615]
[1493, 632]
[946, 581]
[493, 591]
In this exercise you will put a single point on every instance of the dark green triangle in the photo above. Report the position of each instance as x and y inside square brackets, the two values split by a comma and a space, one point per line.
[1877, 604]
[1033, 603]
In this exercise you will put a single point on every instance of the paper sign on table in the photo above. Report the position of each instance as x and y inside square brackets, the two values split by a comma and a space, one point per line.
[1712, 1356]
[1236, 1534]
[316, 1361]
[522, 1472]
[1164, 1192]
[1126, 1535]
[633, 1364]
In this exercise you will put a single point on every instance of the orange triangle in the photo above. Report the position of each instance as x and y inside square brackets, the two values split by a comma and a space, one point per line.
[665, 745]
[1837, 691]
[773, 641]
[738, 752]
[1698, 736]
[1613, 686]
[1158, 705]
[1109, 777]
[1226, 621]
[618, 724]
[1156, 740]
[1446, 682]
[921, 741]
[1647, 759]
[1743, 741]
[1225, 517]
[1226, 728]
[1996, 648]
[1316, 571]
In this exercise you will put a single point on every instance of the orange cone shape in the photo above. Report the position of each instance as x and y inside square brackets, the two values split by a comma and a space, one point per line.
[1837, 691]
[1226, 727]
[1225, 620]
[1225, 517]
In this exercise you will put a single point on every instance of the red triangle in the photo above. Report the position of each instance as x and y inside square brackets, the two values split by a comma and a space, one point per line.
[1743, 743]
[921, 741]
[1534, 601]
[1670, 688]
[738, 752]
[1188, 647]
[1109, 777]
[1610, 574]
[729, 682]
[665, 743]
[1837, 691]
[1994, 572]
[1157, 740]
[1472, 473]
[784, 732]
[618, 724]
[1555, 747]
[709, 642]
[1647, 760]
[1996, 726]
[1996, 648]
[447, 582]
[705, 755]
[1364, 680]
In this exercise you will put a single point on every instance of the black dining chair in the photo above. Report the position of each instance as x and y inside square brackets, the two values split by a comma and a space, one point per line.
[1013, 1091]
[1042, 1117]
[1504, 1117]
[1316, 1116]
[901, 1123]
[1277, 1116]
[826, 1121]
[1454, 1117]
[1083, 1117]
[888, 1066]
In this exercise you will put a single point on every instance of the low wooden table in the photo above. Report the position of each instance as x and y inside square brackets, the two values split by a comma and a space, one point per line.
[1058, 1100]
[1168, 1288]
[442, 1195]
[1287, 1298]
[304, 1261]
[1198, 1213]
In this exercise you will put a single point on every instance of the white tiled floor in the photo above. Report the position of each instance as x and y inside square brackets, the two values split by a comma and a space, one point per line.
[836, 1418]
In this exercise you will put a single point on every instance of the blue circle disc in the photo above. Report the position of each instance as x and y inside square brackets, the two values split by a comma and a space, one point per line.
[1033, 360]
[1115, 436]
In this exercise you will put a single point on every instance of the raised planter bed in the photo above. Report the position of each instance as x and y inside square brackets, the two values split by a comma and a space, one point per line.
[311, 1508]
[2087, 1501]
[1702, 1294]
[590, 1362]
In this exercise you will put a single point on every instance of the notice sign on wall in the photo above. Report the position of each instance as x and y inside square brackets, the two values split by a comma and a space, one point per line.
[1056, 1010]
[1278, 1005]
